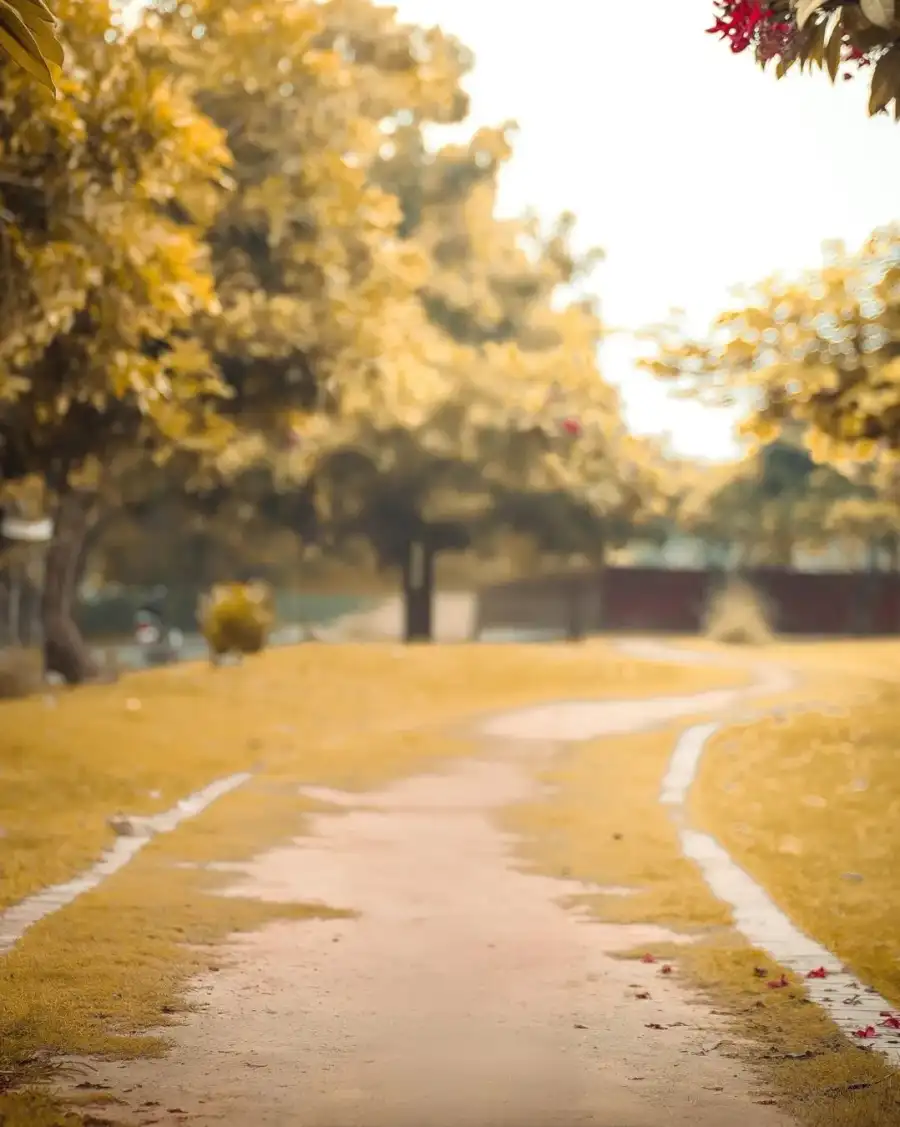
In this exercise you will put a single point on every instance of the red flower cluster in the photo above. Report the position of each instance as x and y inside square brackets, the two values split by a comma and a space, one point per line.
[752, 23]
[743, 22]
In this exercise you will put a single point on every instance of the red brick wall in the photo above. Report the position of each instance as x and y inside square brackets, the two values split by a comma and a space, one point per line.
[651, 599]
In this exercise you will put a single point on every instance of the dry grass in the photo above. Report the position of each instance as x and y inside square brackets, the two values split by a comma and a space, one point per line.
[345, 715]
[605, 826]
[854, 663]
[816, 1074]
[862, 660]
[737, 615]
[811, 808]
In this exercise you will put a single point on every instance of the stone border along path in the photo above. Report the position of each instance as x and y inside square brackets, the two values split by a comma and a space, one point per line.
[15, 921]
[849, 1003]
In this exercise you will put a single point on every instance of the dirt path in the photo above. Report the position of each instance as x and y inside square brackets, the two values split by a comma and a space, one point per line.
[464, 995]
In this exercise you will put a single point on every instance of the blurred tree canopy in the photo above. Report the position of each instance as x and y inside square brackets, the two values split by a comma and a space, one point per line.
[764, 508]
[844, 38]
[821, 353]
[104, 197]
[243, 285]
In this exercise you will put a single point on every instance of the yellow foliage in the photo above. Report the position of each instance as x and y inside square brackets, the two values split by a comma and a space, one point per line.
[818, 353]
[737, 615]
[97, 261]
[236, 618]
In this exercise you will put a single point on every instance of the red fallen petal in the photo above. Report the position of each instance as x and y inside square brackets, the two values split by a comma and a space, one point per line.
[571, 426]
[779, 983]
[819, 972]
[666, 969]
[866, 1034]
[648, 958]
[891, 1022]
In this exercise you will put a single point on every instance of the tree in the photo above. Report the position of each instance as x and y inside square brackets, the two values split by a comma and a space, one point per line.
[762, 509]
[821, 353]
[160, 532]
[867, 516]
[28, 37]
[104, 196]
[842, 38]
[317, 290]
[319, 329]
[517, 430]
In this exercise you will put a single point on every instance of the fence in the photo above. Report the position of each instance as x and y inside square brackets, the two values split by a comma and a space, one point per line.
[670, 600]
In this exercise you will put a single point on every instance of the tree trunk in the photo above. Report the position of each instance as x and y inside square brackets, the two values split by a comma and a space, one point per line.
[575, 611]
[418, 592]
[65, 650]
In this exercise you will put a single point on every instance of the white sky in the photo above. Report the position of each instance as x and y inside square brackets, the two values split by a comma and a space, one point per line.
[694, 170]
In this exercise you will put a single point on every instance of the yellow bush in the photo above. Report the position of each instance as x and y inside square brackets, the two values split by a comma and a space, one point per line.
[738, 616]
[236, 618]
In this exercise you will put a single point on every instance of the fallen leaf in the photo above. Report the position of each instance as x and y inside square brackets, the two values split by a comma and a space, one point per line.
[760, 972]
[654, 1025]
[643, 995]
[665, 969]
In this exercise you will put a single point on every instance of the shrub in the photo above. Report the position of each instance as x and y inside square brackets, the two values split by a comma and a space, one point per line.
[737, 615]
[236, 618]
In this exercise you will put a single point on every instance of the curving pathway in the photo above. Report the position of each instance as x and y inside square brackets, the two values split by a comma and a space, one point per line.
[464, 993]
